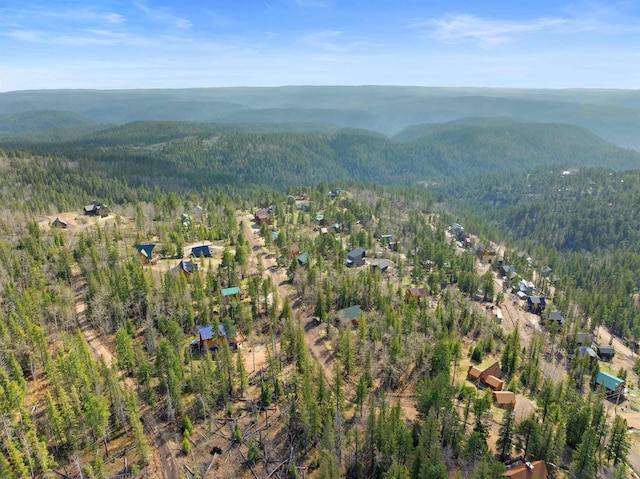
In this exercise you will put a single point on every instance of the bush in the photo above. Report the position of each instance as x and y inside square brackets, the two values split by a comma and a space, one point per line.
[476, 354]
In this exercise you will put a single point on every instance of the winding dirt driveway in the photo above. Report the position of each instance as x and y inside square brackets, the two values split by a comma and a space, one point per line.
[162, 464]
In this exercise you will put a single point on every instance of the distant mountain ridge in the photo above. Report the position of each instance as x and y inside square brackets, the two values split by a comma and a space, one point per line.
[612, 114]
[210, 155]
[45, 125]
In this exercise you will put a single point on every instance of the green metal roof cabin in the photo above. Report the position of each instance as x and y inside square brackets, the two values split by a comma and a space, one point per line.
[612, 384]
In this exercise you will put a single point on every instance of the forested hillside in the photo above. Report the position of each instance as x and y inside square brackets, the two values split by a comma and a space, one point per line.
[205, 155]
[105, 371]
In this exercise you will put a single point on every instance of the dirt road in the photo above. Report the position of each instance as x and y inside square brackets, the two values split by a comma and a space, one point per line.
[161, 463]
[314, 331]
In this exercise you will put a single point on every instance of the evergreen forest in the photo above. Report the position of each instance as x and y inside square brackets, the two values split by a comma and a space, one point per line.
[182, 296]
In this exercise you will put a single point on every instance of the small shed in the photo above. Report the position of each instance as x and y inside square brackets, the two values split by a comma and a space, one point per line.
[349, 315]
[356, 257]
[203, 251]
[504, 398]
[60, 223]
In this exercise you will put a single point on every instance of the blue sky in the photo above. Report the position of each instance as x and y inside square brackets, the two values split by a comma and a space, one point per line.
[156, 44]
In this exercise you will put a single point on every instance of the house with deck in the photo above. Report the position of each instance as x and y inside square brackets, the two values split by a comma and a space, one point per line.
[348, 316]
[420, 294]
[536, 304]
[96, 209]
[147, 254]
[605, 353]
[262, 216]
[356, 257]
[491, 376]
[612, 385]
[210, 337]
[187, 267]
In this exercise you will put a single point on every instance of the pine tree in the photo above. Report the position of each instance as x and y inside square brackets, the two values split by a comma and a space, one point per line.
[506, 433]
[619, 443]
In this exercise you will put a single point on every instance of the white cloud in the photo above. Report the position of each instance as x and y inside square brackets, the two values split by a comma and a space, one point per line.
[467, 28]
[163, 15]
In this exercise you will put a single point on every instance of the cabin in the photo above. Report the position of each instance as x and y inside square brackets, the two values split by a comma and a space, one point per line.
[489, 376]
[526, 287]
[146, 253]
[203, 251]
[605, 353]
[613, 386]
[386, 239]
[418, 293]
[581, 339]
[197, 210]
[188, 267]
[294, 250]
[348, 316]
[586, 351]
[492, 370]
[504, 398]
[96, 209]
[536, 304]
[356, 257]
[556, 317]
[60, 223]
[262, 217]
[303, 259]
[209, 337]
[320, 219]
[493, 382]
[380, 264]
[528, 470]
[487, 255]
[474, 373]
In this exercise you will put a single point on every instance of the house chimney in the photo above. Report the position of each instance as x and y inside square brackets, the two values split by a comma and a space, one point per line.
[529, 465]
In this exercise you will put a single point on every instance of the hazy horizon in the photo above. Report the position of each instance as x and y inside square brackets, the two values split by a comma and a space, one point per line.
[149, 45]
